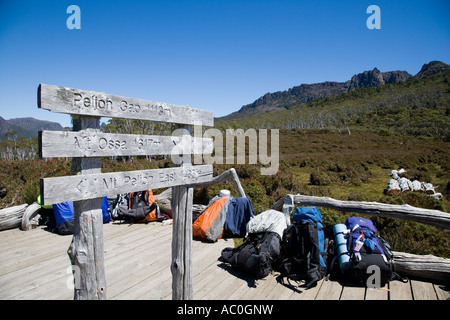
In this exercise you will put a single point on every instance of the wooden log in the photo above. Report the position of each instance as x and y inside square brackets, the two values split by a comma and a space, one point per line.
[166, 196]
[89, 186]
[12, 217]
[90, 103]
[97, 144]
[422, 266]
[432, 217]
[86, 249]
[30, 218]
[229, 174]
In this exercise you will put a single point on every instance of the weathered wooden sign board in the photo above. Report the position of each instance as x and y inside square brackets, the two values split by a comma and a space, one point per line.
[87, 184]
[90, 103]
[90, 186]
[97, 144]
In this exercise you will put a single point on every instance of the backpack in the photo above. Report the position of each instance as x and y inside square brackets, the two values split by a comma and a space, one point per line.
[257, 255]
[64, 218]
[366, 249]
[304, 247]
[137, 207]
[105, 210]
[210, 223]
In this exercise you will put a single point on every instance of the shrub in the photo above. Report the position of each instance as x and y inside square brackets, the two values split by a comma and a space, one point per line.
[319, 178]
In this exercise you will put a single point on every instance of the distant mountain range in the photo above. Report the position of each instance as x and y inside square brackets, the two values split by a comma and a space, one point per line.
[26, 127]
[419, 106]
[304, 93]
[290, 99]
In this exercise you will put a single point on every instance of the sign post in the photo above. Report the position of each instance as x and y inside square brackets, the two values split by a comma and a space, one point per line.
[87, 185]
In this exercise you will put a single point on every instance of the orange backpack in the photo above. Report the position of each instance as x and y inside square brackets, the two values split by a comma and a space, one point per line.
[143, 199]
[205, 220]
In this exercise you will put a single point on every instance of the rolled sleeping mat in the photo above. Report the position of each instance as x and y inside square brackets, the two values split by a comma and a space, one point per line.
[341, 245]
[224, 193]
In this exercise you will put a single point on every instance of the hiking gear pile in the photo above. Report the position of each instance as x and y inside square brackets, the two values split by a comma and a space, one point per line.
[224, 214]
[137, 207]
[300, 252]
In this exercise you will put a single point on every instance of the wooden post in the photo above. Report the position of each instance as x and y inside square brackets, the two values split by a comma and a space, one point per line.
[288, 206]
[86, 250]
[181, 267]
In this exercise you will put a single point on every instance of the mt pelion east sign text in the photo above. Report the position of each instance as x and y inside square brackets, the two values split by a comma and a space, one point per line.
[89, 186]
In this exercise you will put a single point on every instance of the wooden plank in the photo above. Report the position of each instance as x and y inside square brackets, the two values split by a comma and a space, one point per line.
[97, 144]
[377, 293]
[144, 264]
[352, 291]
[442, 291]
[265, 286]
[423, 290]
[400, 291]
[91, 103]
[281, 292]
[89, 186]
[330, 290]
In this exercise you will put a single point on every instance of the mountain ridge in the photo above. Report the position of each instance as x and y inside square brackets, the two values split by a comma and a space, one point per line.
[419, 106]
[26, 127]
[304, 93]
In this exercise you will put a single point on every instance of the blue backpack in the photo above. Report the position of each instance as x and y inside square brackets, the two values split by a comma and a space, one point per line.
[367, 249]
[64, 218]
[304, 247]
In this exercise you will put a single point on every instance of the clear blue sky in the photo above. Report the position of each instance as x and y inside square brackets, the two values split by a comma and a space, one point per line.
[210, 54]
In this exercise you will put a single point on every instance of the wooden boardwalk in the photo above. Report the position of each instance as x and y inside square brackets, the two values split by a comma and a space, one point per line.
[34, 265]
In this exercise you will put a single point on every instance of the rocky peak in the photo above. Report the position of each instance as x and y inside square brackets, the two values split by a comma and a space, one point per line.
[431, 68]
[375, 78]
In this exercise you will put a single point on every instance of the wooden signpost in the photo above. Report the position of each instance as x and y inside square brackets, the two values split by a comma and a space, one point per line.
[97, 144]
[88, 185]
[100, 104]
